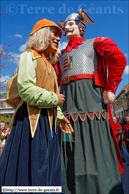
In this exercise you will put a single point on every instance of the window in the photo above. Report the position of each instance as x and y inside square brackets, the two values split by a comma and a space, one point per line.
[8, 106]
[124, 98]
[1, 105]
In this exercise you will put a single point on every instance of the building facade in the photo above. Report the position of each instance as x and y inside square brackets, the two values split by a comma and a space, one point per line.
[127, 98]
[4, 107]
[121, 103]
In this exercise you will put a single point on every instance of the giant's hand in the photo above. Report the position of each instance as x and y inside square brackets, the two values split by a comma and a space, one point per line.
[61, 99]
[108, 97]
[65, 126]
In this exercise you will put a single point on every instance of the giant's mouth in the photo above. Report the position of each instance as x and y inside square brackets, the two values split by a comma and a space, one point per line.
[56, 44]
[66, 31]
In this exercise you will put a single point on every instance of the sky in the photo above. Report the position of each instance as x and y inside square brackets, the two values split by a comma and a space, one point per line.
[17, 19]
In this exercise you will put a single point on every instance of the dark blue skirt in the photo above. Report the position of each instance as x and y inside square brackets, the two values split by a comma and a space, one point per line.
[28, 161]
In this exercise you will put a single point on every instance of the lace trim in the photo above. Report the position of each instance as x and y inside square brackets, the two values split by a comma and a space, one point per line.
[87, 115]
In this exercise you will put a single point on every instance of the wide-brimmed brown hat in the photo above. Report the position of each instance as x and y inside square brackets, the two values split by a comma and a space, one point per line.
[43, 23]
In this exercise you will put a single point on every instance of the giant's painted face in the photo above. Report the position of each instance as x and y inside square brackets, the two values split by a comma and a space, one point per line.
[71, 29]
[54, 37]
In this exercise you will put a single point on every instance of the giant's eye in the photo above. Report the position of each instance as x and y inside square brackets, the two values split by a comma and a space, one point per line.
[71, 23]
[53, 31]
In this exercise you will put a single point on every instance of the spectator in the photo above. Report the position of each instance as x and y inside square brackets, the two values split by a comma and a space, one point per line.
[2, 125]
[120, 120]
[126, 133]
[118, 131]
[124, 120]
[1, 147]
[117, 120]
[1, 121]
[3, 134]
[6, 129]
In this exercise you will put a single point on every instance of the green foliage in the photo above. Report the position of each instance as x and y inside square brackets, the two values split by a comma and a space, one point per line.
[5, 117]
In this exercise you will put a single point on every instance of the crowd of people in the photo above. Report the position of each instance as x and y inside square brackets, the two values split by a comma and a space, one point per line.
[126, 133]
[4, 133]
[122, 133]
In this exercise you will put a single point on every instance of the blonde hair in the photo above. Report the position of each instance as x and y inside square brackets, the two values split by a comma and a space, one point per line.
[39, 41]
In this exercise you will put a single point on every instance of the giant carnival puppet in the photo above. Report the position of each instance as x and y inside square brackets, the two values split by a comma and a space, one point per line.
[91, 160]
[31, 156]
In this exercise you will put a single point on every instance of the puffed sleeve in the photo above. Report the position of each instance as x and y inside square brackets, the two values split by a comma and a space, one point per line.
[27, 88]
[60, 115]
[113, 58]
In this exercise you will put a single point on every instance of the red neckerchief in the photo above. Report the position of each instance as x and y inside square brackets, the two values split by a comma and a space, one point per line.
[73, 43]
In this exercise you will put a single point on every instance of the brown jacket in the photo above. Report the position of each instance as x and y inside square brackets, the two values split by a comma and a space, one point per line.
[45, 78]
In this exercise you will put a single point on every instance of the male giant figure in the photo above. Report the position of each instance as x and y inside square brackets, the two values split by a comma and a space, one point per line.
[90, 156]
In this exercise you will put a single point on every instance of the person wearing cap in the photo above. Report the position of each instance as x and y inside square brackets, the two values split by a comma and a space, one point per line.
[89, 155]
[31, 156]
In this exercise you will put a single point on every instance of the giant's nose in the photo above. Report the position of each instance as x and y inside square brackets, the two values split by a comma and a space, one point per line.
[58, 38]
[66, 27]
